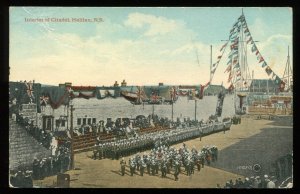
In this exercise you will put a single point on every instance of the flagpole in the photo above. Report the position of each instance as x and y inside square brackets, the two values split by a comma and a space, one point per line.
[195, 109]
[172, 110]
[210, 62]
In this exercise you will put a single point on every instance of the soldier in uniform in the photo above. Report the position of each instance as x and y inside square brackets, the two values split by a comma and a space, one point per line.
[95, 151]
[163, 169]
[142, 167]
[177, 167]
[122, 163]
[132, 166]
[100, 151]
[148, 163]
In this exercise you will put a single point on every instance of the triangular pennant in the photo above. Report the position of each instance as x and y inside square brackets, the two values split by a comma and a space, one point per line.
[253, 49]
[223, 46]
[261, 59]
[250, 39]
[228, 69]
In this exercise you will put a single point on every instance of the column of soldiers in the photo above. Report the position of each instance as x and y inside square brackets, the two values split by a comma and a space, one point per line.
[166, 159]
[126, 147]
[121, 148]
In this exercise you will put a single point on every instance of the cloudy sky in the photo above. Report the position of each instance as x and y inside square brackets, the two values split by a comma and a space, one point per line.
[144, 46]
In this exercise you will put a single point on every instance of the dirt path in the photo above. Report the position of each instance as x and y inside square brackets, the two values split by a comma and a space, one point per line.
[106, 173]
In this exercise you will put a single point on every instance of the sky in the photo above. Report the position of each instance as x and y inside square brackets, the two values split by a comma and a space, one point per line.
[144, 46]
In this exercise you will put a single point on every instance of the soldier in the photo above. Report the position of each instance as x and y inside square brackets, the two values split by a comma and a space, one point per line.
[163, 169]
[100, 151]
[142, 167]
[177, 167]
[95, 151]
[198, 163]
[132, 166]
[153, 166]
[192, 164]
[148, 163]
[122, 163]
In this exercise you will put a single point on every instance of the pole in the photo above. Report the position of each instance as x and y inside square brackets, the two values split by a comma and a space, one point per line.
[68, 117]
[253, 80]
[172, 110]
[210, 62]
[195, 109]
[288, 67]
[152, 110]
[72, 139]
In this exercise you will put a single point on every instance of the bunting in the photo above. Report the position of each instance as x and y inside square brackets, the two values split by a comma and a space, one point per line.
[269, 71]
[228, 69]
[250, 39]
[223, 46]
[261, 59]
[253, 49]
[264, 64]
[229, 77]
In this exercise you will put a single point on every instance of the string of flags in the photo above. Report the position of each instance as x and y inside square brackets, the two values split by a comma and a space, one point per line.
[233, 64]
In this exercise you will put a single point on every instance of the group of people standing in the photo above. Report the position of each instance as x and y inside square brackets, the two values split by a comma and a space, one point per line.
[252, 182]
[170, 160]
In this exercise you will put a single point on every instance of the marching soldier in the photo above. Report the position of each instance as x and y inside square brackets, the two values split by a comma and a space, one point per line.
[132, 166]
[142, 167]
[177, 167]
[122, 163]
[163, 169]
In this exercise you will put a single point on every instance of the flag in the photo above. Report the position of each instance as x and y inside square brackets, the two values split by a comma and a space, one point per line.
[233, 36]
[44, 100]
[273, 76]
[202, 87]
[220, 56]
[232, 30]
[257, 52]
[214, 65]
[248, 33]
[236, 24]
[263, 64]
[238, 73]
[223, 46]
[241, 18]
[268, 70]
[250, 39]
[228, 69]
[277, 80]
[234, 61]
[237, 79]
[253, 48]
[229, 77]
[261, 59]
[213, 70]
[236, 66]
[234, 52]
[247, 30]
[229, 61]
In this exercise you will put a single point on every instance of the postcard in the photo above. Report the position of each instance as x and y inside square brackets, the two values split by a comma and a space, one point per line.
[150, 97]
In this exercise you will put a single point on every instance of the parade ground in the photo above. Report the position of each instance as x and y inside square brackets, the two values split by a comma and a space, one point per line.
[251, 142]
